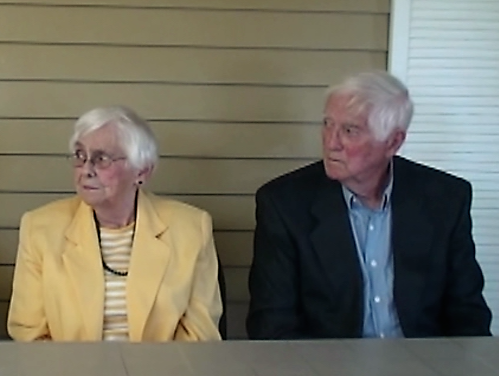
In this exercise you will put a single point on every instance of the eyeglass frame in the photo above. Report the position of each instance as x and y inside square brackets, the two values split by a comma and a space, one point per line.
[79, 159]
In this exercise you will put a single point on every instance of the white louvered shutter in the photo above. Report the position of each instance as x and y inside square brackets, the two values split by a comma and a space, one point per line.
[447, 52]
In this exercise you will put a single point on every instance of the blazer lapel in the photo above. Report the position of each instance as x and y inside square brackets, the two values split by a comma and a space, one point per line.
[411, 241]
[333, 240]
[150, 256]
[84, 267]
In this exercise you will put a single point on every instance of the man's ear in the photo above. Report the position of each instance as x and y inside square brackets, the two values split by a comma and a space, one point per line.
[395, 141]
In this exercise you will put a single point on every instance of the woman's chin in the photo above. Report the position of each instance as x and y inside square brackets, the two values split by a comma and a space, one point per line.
[90, 197]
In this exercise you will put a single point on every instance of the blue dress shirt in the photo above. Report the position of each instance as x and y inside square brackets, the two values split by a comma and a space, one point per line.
[372, 233]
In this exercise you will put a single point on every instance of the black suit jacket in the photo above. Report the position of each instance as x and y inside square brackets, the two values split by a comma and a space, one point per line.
[306, 280]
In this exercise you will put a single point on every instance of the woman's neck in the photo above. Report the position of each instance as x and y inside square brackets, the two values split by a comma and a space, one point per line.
[116, 217]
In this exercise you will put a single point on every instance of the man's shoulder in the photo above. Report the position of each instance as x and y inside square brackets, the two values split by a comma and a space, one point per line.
[300, 180]
[418, 175]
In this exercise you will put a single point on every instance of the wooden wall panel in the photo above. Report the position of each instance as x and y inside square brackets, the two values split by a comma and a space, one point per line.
[15, 204]
[8, 245]
[43, 99]
[232, 89]
[6, 273]
[3, 320]
[183, 64]
[370, 6]
[174, 27]
[237, 284]
[236, 320]
[234, 247]
[178, 138]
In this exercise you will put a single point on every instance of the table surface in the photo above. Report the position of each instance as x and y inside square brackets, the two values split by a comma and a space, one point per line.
[407, 357]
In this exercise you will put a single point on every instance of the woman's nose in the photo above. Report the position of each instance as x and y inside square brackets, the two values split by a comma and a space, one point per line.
[88, 168]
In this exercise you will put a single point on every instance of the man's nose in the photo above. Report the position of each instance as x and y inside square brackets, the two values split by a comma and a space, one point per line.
[332, 139]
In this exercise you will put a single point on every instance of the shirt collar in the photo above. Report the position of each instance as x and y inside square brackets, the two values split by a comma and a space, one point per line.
[350, 196]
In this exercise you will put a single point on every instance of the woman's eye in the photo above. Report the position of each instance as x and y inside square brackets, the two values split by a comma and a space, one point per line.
[79, 154]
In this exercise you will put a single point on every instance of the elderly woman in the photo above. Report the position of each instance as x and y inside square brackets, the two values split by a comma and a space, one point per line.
[115, 263]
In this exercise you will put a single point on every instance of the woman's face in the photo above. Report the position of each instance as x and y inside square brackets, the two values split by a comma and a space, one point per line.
[105, 180]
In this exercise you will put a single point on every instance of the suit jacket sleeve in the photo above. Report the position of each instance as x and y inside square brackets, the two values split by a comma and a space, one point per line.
[200, 320]
[465, 310]
[273, 281]
[27, 320]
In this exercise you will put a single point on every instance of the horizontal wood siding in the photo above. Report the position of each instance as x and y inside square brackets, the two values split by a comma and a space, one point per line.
[232, 89]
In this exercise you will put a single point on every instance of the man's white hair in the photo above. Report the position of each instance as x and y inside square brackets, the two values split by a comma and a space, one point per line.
[385, 99]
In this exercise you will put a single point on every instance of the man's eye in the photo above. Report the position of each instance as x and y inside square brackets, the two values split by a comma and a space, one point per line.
[327, 123]
[351, 129]
[102, 158]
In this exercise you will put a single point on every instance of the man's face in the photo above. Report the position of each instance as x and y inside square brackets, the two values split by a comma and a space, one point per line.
[351, 153]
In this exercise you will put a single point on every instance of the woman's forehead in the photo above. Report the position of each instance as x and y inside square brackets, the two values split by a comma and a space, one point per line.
[105, 138]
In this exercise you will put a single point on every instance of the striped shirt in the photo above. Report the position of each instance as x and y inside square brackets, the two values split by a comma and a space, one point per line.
[116, 248]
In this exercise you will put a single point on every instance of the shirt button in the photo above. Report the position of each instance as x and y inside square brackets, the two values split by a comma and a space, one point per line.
[371, 227]
[377, 299]
[381, 335]
[374, 263]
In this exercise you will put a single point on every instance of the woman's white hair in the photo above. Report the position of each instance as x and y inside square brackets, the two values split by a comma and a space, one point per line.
[135, 135]
[385, 98]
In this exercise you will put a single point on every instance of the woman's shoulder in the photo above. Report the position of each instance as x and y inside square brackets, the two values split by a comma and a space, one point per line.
[166, 206]
[56, 210]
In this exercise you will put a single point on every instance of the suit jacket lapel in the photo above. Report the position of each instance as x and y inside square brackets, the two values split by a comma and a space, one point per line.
[84, 267]
[150, 256]
[411, 240]
[333, 240]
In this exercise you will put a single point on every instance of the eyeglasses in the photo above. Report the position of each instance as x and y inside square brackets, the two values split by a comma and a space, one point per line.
[99, 161]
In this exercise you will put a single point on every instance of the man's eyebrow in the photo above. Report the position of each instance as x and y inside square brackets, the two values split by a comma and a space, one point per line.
[351, 124]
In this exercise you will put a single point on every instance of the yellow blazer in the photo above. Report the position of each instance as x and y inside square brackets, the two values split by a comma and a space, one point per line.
[172, 290]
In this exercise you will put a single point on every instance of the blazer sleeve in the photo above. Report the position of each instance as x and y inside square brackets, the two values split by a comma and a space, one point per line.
[273, 280]
[26, 320]
[465, 310]
[200, 320]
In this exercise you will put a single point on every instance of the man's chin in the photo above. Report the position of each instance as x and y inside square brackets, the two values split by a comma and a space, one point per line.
[333, 170]
[334, 175]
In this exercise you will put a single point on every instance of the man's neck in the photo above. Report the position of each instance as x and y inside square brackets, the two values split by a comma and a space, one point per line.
[371, 191]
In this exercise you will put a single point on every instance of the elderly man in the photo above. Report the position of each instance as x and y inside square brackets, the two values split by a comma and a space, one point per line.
[365, 243]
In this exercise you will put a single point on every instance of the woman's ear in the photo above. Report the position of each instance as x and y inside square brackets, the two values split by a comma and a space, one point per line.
[143, 175]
